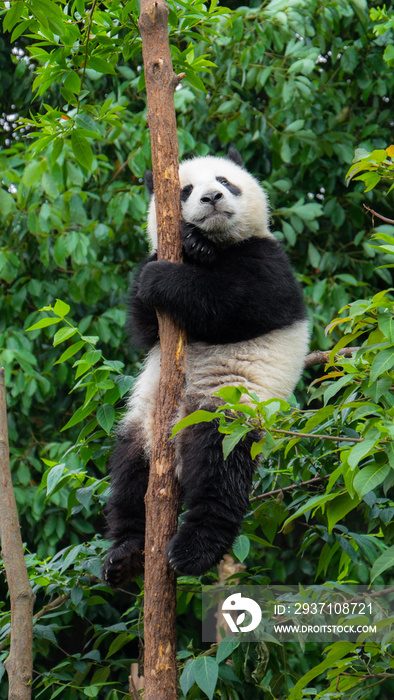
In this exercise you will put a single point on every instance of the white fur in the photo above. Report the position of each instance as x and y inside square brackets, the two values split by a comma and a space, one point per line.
[249, 211]
[269, 365]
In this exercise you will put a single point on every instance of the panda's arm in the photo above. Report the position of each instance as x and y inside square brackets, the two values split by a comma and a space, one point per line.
[142, 326]
[250, 291]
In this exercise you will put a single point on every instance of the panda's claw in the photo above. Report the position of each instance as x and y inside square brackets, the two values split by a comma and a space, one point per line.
[124, 561]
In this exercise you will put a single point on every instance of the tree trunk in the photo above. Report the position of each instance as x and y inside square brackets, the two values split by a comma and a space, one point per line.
[19, 663]
[160, 669]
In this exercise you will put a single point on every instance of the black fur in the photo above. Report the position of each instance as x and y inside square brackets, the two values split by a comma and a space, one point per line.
[186, 192]
[216, 493]
[230, 186]
[235, 156]
[248, 292]
[148, 177]
[129, 468]
[142, 325]
[197, 248]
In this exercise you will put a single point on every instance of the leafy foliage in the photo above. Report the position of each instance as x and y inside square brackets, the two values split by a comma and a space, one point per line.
[297, 87]
[378, 164]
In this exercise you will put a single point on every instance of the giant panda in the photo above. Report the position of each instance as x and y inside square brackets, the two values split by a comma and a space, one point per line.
[243, 311]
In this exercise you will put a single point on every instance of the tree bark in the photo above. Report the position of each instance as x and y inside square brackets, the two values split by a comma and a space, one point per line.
[19, 663]
[160, 669]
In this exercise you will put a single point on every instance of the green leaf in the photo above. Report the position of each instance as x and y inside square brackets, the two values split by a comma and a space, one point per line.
[12, 15]
[119, 642]
[370, 179]
[226, 647]
[194, 80]
[383, 362]
[124, 384]
[369, 478]
[349, 59]
[19, 30]
[313, 255]
[82, 149]
[338, 508]
[44, 632]
[303, 65]
[72, 350]
[60, 251]
[382, 563]
[32, 172]
[106, 417]
[49, 185]
[192, 419]
[231, 440]
[71, 557]
[7, 202]
[100, 65]
[318, 417]
[43, 323]
[310, 504]
[76, 595]
[337, 651]
[285, 151]
[63, 334]
[56, 149]
[386, 325]
[295, 126]
[73, 82]
[187, 678]
[80, 414]
[92, 691]
[61, 308]
[54, 477]
[241, 547]
[230, 394]
[206, 672]
[359, 451]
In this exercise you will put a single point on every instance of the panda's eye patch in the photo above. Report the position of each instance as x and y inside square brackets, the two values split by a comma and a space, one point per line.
[186, 192]
[231, 188]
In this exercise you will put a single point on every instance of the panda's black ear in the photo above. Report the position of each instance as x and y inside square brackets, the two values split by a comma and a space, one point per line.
[235, 156]
[148, 177]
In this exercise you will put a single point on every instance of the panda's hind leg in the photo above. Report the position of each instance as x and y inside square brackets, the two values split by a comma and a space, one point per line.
[216, 493]
[129, 468]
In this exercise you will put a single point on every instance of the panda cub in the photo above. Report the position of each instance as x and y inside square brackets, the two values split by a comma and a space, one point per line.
[236, 296]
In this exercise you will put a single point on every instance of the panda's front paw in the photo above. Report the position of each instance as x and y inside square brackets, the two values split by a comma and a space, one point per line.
[152, 278]
[196, 246]
[123, 562]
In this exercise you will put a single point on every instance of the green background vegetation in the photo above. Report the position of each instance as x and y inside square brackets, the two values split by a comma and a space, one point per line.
[297, 86]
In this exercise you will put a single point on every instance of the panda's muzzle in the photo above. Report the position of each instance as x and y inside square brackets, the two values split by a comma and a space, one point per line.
[211, 198]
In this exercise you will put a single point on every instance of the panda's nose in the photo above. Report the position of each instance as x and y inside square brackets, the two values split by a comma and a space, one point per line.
[211, 198]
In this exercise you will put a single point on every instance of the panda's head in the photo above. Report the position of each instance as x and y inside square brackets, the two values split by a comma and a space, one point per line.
[220, 197]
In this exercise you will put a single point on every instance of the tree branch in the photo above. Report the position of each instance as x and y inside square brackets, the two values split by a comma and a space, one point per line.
[19, 663]
[322, 436]
[315, 480]
[160, 669]
[320, 357]
[375, 213]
